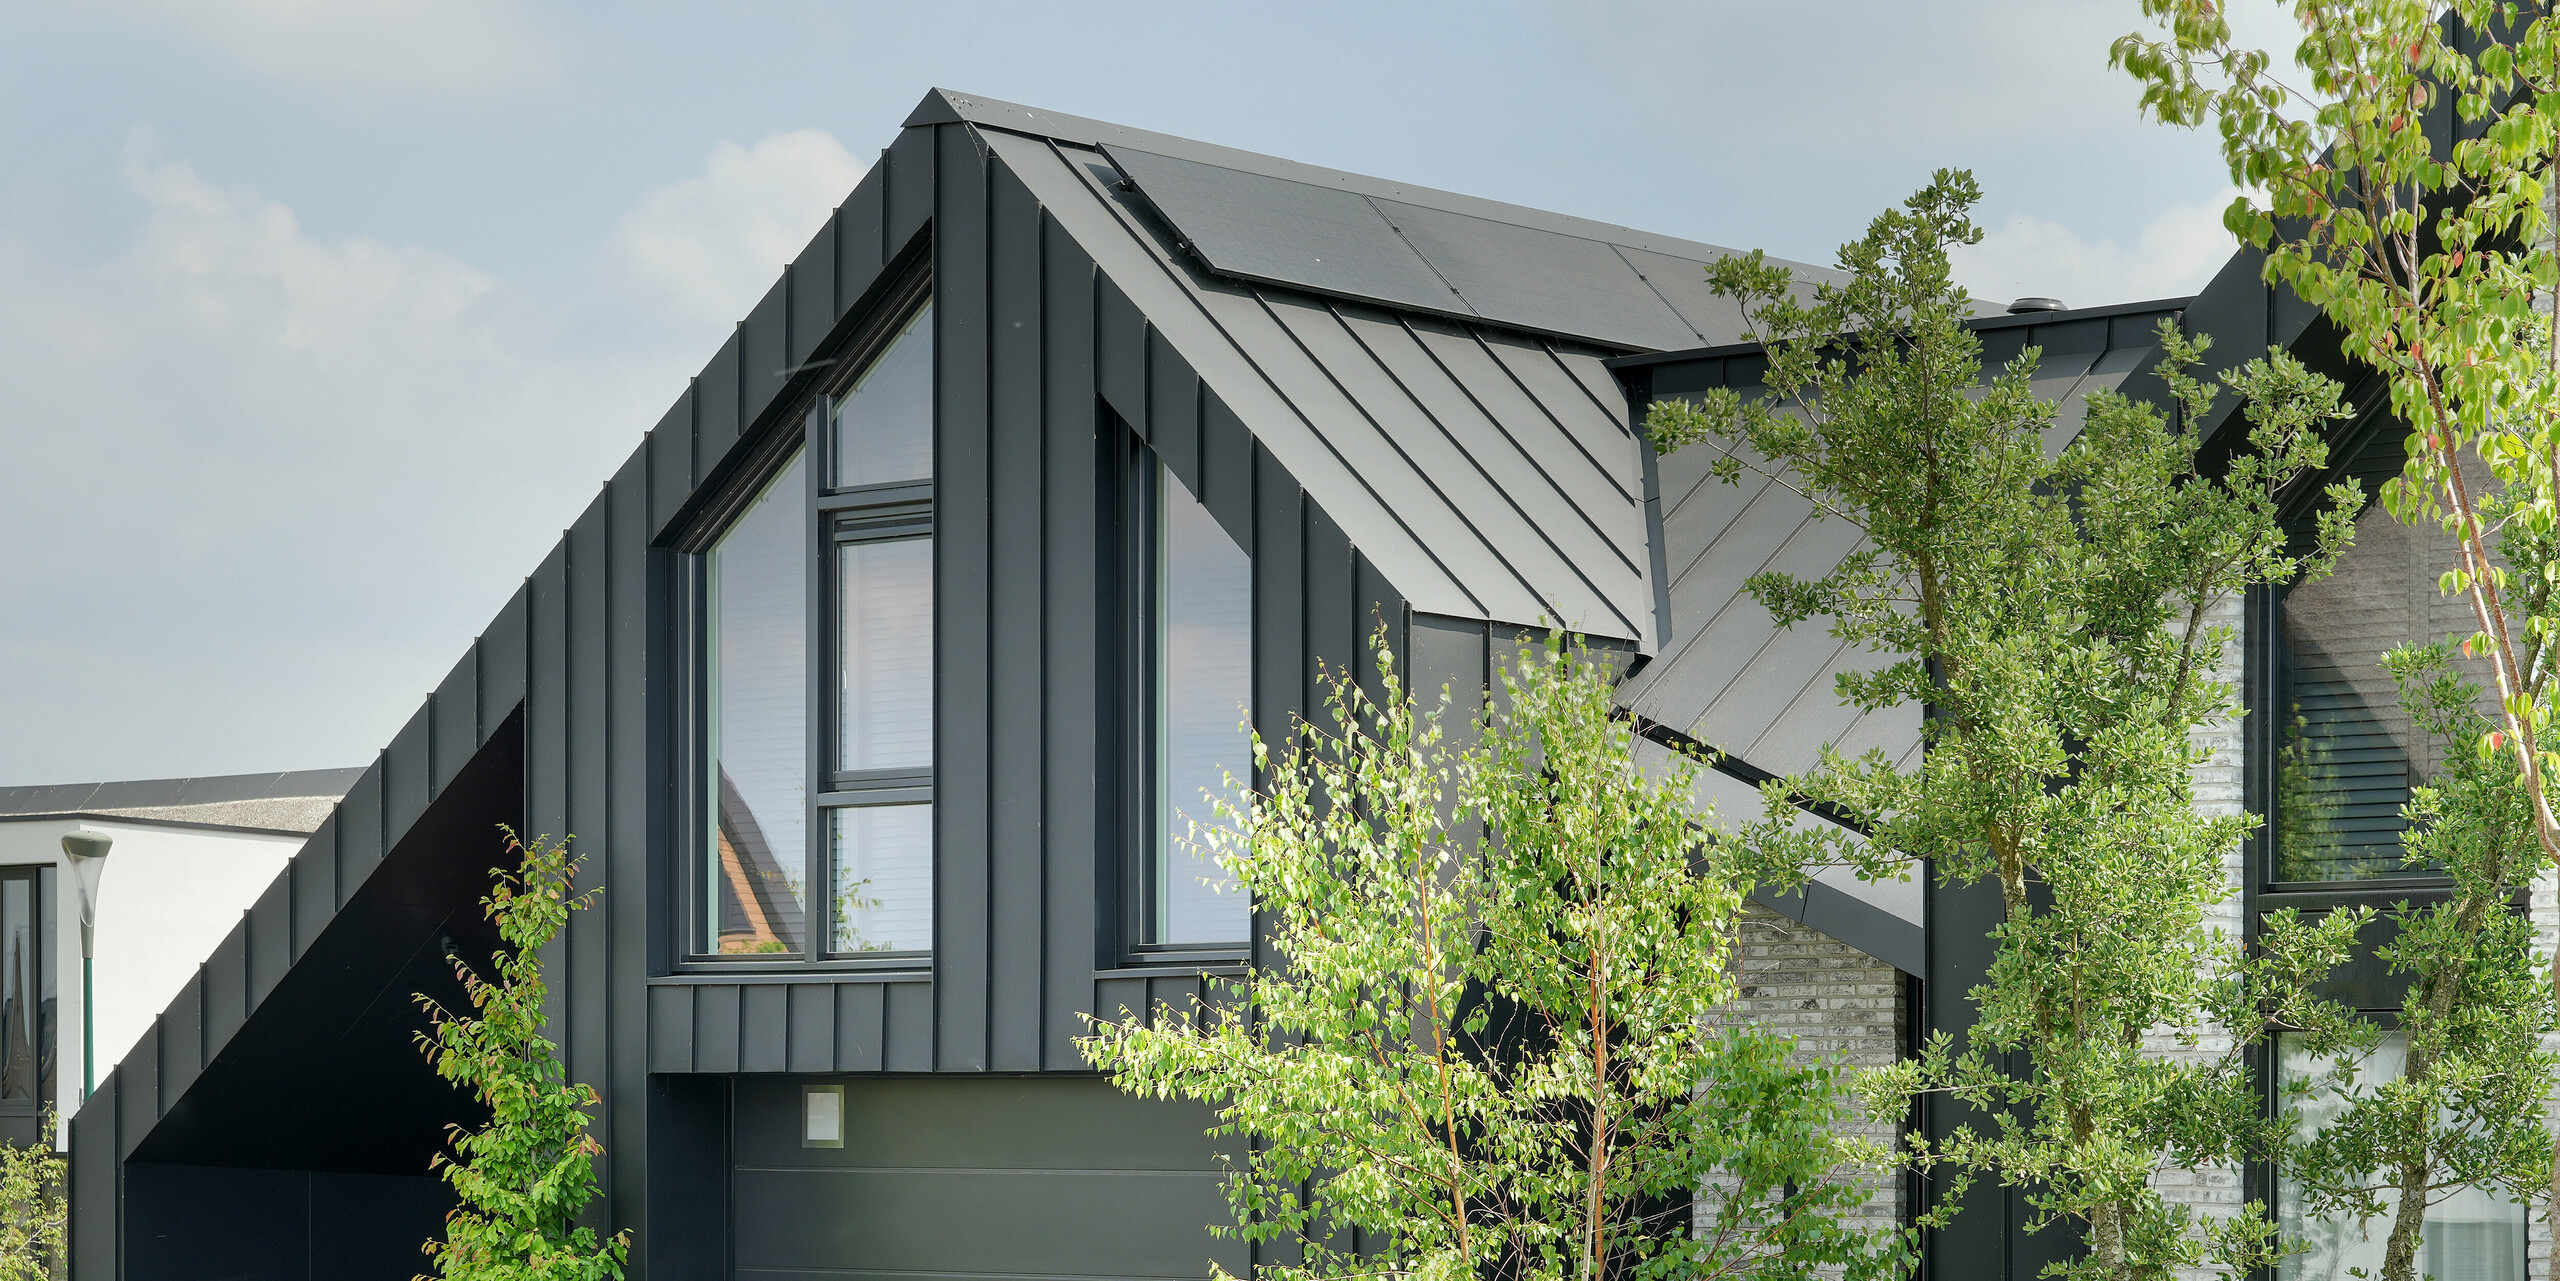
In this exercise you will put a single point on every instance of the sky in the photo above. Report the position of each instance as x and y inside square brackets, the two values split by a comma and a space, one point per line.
[319, 320]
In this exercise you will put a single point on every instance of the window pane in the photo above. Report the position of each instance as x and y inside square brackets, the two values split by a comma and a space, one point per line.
[884, 690]
[883, 878]
[884, 426]
[20, 1051]
[756, 615]
[2470, 1236]
[2346, 755]
[1204, 647]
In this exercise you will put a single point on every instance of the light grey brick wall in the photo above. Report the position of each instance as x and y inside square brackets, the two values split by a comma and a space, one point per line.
[1835, 1000]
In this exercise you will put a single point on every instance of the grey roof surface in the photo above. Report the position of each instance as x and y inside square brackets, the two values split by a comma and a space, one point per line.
[1732, 680]
[1729, 676]
[1489, 473]
[293, 801]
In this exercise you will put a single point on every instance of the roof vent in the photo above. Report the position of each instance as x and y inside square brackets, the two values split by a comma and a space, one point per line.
[2025, 305]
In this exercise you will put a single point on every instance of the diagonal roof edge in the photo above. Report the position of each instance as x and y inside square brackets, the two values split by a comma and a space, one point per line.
[945, 106]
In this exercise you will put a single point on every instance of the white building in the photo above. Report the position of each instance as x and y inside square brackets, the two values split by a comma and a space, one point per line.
[189, 856]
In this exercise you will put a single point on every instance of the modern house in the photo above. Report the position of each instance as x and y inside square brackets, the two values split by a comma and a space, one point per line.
[874, 682]
[188, 856]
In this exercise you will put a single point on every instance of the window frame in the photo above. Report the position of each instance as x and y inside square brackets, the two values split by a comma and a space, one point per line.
[1133, 475]
[831, 519]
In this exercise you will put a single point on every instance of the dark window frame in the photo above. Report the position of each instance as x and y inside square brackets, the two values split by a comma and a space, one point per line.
[2263, 617]
[833, 517]
[1131, 509]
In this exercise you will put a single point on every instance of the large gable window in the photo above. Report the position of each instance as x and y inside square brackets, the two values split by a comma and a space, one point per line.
[816, 616]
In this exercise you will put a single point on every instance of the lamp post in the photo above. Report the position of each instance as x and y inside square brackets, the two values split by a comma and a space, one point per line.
[88, 854]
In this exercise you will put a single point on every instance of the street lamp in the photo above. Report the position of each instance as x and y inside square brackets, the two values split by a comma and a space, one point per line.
[88, 854]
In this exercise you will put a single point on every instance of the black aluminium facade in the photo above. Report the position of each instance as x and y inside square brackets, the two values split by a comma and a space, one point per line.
[1443, 481]
[1449, 475]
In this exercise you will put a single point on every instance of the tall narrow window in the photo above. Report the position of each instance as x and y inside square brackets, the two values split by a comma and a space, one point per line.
[26, 989]
[1201, 659]
[815, 608]
[2345, 754]
[756, 627]
[879, 512]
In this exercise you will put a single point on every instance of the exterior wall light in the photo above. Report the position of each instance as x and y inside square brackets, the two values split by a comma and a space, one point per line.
[87, 851]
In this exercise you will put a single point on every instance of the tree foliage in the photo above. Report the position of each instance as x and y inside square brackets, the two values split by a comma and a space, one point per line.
[33, 1215]
[2401, 182]
[2462, 1108]
[2049, 607]
[525, 1176]
[1488, 1043]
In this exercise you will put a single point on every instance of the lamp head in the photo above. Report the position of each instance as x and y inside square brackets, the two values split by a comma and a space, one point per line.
[87, 852]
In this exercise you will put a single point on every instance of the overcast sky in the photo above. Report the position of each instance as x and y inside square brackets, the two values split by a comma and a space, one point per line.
[318, 320]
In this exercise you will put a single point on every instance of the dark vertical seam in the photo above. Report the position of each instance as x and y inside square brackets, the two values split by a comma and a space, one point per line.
[1048, 711]
[986, 429]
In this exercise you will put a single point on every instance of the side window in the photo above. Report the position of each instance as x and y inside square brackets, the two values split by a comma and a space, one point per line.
[26, 989]
[755, 625]
[1195, 680]
[2345, 755]
[815, 616]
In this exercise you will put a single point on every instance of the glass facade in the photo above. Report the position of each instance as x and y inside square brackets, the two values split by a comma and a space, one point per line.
[1202, 647]
[2471, 1235]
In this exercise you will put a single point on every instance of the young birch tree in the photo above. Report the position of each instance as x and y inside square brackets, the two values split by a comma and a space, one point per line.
[2429, 248]
[2049, 610]
[1487, 1043]
[526, 1175]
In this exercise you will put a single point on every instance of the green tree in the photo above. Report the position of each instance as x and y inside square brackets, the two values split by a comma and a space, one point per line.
[2430, 249]
[2464, 1109]
[2051, 611]
[32, 1214]
[525, 1176]
[1488, 1044]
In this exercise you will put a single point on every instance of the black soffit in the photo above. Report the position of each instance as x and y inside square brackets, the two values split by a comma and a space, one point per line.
[1275, 230]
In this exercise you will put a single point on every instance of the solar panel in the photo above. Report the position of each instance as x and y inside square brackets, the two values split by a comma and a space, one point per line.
[1326, 239]
[1259, 227]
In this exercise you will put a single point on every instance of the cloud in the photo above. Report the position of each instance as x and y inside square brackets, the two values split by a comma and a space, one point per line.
[263, 486]
[710, 246]
[2174, 254]
[452, 48]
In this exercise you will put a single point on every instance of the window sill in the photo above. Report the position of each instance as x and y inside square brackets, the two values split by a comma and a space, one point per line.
[800, 972]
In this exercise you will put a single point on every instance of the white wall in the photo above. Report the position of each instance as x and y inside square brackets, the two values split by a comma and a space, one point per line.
[168, 896]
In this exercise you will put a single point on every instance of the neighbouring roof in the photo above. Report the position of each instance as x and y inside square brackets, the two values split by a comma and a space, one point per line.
[293, 802]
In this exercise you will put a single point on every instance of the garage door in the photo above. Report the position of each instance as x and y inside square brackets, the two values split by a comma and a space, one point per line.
[985, 1178]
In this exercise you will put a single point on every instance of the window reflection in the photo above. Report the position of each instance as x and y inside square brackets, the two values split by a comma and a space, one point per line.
[883, 879]
[884, 692]
[756, 616]
[2346, 755]
[1204, 679]
[2471, 1235]
[884, 425]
